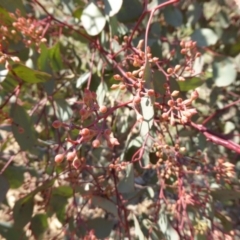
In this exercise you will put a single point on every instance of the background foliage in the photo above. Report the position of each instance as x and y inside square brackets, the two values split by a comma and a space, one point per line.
[95, 144]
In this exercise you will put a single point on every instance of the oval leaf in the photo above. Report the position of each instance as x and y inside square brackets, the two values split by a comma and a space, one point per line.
[22, 128]
[190, 84]
[4, 186]
[92, 19]
[39, 225]
[22, 211]
[29, 75]
[105, 204]
[204, 37]
[112, 7]
[224, 72]
[173, 16]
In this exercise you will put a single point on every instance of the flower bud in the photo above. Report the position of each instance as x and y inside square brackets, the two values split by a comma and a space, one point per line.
[59, 158]
[85, 132]
[194, 95]
[96, 143]
[76, 163]
[71, 155]
[103, 109]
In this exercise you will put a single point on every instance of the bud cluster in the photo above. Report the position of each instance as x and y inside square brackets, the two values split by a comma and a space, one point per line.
[19, 29]
[179, 109]
[190, 53]
[95, 134]
[224, 170]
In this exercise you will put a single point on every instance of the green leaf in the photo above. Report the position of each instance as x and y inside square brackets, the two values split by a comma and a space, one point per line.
[65, 191]
[105, 204]
[4, 187]
[224, 72]
[14, 176]
[173, 16]
[130, 11]
[166, 228]
[204, 37]
[148, 115]
[147, 102]
[190, 84]
[57, 205]
[225, 194]
[39, 224]
[55, 57]
[12, 5]
[138, 229]
[102, 227]
[4, 14]
[101, 93]
[112, 7]
[43, 59]
[29, 75]
[9, 232]
[126, 185]
[92, 19]
[27, 138]
[64, 111]
[225, 220]
[22, 211]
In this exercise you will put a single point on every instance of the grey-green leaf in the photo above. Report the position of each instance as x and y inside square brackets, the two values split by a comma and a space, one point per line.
[25, 138]
[4, 187]
[92, 19]
[112, 7]
[224, 72]
[64, 111]
[204, 37]
[105, 204]
[22, 211]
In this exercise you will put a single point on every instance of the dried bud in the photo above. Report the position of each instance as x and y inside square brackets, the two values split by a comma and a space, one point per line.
[150, 92]
[20, 130]
[107, 132]
[57, 124]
